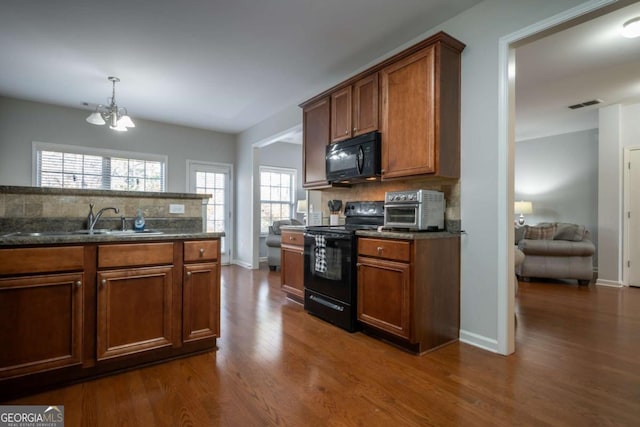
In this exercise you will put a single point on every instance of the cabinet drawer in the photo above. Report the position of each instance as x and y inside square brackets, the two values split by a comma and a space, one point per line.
[201, 250]
[383, 248]
[41, 260]
[295, 238]
[132, 254]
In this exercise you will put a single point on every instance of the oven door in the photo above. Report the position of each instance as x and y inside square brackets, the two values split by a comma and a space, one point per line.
[329, 265]
[402, 215]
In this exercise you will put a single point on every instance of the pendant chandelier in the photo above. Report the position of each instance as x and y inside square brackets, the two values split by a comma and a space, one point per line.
[116, 116]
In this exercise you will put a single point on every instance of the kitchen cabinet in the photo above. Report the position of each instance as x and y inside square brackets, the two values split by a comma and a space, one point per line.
[409, 290]
[315, 134]
[134, 299]
[41, 309]
[354, 109]
[75, 311]
[420, 114]
[412, 98]
[292, 264]
[201, 291]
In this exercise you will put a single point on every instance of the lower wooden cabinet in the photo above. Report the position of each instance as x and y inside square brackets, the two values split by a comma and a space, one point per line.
[292, 264]
[40, 323]
[134, 311]
[384, 295]
[69, 313]
[201, 301]
[409, 290]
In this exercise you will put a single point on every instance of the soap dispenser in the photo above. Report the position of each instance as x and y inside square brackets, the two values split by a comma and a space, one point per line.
[138, 222]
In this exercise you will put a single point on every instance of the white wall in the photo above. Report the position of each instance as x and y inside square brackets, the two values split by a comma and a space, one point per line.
[559, 175]
[481, 29]
[22, 122]
[247, 167]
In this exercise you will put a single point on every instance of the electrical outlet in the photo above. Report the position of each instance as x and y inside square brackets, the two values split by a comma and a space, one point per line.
[176, 209]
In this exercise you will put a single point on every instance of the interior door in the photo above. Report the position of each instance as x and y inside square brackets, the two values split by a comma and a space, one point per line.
[633, 217]
[214, 179]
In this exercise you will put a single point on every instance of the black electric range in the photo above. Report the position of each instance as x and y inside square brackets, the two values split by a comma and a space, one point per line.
[330, 255]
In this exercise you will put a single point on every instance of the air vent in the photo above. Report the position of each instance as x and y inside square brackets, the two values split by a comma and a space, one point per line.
[585, 104]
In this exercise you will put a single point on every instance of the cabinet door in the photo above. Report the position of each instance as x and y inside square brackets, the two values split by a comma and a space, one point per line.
[384, 295]
[408, 116]
[315, 128]
[134, 311]
[341, 114]
[201, 301]
[40, 323]
[365, 105]
[292, 271]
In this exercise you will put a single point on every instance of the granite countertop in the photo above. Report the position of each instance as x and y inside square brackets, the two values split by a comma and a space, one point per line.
[293, 227]
[15, 239]
[407, 235]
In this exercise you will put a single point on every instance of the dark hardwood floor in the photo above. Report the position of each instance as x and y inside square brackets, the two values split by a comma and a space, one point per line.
[577, 363]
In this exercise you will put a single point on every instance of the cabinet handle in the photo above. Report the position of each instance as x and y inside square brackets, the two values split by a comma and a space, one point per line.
[382, 171]
[292, 238]
[346, 132]
[201, 251]
[188, 274]
[103, 282]
[379, 249]
[355, 130]
[78, 284]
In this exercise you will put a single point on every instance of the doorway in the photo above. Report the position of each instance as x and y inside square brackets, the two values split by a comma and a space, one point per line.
[214, 179]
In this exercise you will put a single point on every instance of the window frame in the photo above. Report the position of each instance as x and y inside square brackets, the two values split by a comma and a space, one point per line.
[294, 179]
[38, 146]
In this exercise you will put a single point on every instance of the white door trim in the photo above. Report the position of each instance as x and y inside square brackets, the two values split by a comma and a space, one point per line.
[626, 207]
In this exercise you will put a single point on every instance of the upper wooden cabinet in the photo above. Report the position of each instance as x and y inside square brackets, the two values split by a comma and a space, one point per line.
[354, 109]
[315, 129]
[421, 114]
[413, 98]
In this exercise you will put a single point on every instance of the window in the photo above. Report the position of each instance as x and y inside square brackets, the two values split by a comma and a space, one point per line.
[64, 166]
[276, 195]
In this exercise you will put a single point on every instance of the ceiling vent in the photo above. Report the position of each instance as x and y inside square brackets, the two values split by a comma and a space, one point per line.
[585, 104]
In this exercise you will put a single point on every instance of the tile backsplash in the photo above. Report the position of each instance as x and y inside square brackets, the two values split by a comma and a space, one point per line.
[30, 204]
[371, 191]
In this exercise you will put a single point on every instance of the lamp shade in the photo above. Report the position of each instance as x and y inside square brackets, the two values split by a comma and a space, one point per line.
[95, 118]
[301, 206]
[523, 207]
[631, 28]
[126, 121]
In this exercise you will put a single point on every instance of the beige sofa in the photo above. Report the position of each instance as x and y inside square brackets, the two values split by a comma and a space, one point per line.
[556, 251]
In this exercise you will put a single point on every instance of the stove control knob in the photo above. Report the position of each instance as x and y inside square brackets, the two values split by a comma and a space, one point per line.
[404, 197]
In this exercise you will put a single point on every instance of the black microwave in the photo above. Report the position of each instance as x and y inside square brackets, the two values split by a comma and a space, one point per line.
[355, 159]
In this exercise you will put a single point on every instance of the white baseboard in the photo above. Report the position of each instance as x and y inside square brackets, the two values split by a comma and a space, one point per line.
[242, 264]
[609, 283]
[480, 341]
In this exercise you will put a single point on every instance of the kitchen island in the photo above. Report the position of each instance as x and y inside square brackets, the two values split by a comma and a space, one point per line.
[78, 306]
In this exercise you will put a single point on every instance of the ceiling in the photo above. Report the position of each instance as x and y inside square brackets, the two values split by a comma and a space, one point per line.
[214, 64]
[226, 65]
[585, 62]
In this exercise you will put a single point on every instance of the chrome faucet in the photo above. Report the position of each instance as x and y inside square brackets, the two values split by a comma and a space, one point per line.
[92, 219]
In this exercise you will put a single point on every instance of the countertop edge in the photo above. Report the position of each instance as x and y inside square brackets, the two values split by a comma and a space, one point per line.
[101, 238]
